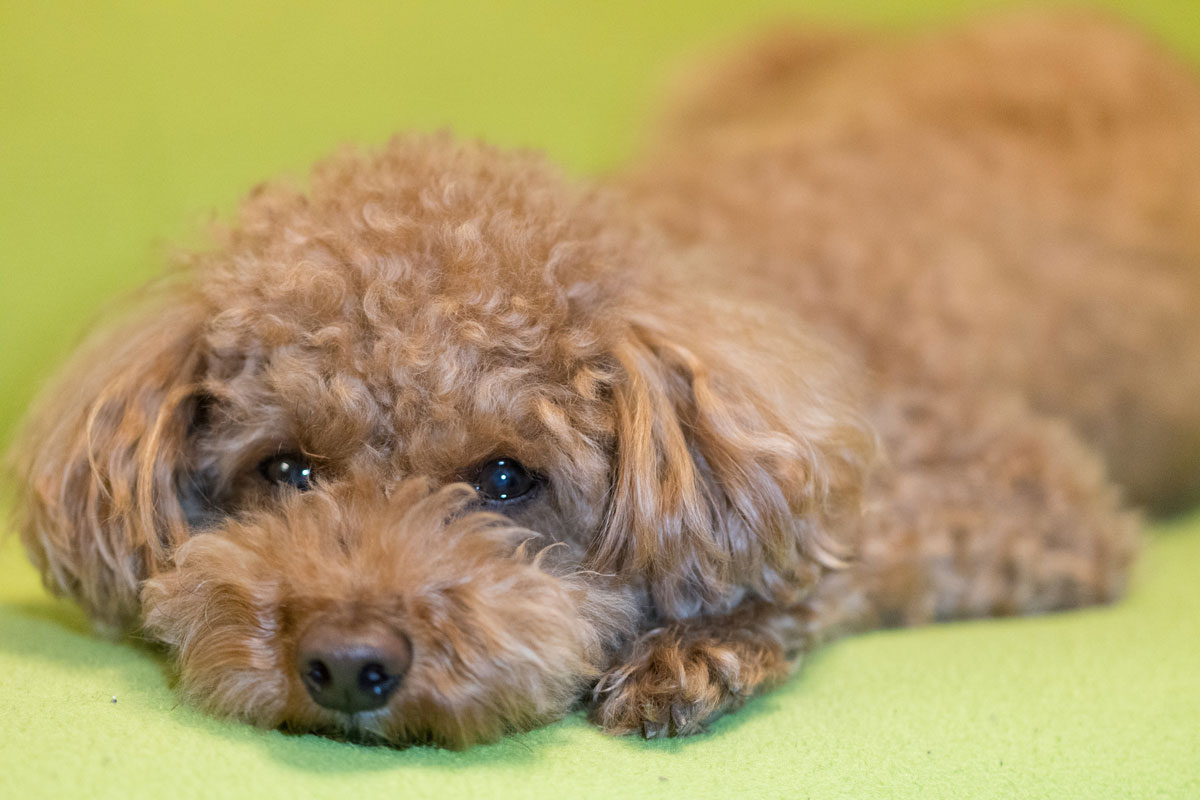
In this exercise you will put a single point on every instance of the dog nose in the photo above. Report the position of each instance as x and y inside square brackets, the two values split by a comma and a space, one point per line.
[352, 670]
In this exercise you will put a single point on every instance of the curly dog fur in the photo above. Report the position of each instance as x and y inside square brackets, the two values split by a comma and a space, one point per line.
[869, 336]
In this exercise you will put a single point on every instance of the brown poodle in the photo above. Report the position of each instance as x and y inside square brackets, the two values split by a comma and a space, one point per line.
[444, 443]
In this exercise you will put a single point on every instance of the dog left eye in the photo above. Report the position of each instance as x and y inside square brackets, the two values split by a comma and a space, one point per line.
[288, 470]
[503, 479]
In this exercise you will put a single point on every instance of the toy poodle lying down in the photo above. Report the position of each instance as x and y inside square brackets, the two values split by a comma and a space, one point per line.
[445, 444]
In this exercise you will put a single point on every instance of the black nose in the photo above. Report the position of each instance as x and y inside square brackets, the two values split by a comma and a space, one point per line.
[354, 669]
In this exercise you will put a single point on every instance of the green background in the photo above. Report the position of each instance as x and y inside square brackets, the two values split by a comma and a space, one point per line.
[126, 126]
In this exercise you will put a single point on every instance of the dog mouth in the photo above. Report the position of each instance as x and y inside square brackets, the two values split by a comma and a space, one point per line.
[360, 728]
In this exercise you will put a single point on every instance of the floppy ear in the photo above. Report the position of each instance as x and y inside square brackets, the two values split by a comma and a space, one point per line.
[97, 465]
[740, 458]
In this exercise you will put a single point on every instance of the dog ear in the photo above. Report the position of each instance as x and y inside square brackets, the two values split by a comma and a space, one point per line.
[740, 458]
[98, 463]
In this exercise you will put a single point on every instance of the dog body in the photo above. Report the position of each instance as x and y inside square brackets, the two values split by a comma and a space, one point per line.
[426, 451]
[999, 226]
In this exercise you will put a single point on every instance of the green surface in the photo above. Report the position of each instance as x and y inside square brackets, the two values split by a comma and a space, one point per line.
[1094, 704]
[125, 126]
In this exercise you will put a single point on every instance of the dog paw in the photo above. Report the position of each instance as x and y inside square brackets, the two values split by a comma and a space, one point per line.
[675, 681]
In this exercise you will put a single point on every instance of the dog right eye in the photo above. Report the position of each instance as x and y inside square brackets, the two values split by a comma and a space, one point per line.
[288, 470]
[504, 479]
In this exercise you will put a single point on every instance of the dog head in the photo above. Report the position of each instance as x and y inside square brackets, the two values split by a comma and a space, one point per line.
[443, 415]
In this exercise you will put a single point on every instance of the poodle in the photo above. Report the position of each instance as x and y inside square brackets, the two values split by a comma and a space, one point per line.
[876, 331]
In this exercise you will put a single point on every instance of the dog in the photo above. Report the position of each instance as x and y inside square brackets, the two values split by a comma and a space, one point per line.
[877, 331]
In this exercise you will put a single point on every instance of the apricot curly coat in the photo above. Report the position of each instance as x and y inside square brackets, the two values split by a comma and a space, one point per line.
[972, 253]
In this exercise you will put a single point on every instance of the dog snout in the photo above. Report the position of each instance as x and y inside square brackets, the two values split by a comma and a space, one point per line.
[352, 669]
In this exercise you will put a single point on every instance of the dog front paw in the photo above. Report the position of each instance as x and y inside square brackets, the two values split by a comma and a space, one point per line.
[676, 680]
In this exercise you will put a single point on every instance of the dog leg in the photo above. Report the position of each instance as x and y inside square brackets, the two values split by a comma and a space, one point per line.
[984, 509]
[677, 678]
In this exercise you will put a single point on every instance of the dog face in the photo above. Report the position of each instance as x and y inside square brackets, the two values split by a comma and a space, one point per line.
[409, 456]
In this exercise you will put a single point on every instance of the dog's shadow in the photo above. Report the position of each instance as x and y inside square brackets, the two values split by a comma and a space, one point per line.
[53, 640]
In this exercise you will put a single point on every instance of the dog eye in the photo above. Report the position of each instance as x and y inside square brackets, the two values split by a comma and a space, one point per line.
[288, 469]
[503, 479]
